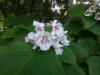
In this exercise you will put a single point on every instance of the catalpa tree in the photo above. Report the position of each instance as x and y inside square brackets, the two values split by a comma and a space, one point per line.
[50, 37]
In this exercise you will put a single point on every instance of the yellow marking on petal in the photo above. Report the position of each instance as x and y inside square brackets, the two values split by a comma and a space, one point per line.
[38, 31]
[43, 42]
[57, 42]
[57, 30]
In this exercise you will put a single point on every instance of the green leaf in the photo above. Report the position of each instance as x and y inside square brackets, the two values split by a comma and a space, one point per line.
[72, 26]
[94, 65]
[77, 10]
[27, 24]
[68, 56]
[89, 21]
[95, 28]
[10, 21]
[74, 70]
[90, 45]
[20, 59]
[78, 50]
[20, 38]
[4, 42]
[69, 37]
[11, 33]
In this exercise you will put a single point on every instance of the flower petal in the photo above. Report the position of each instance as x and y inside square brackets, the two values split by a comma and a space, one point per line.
[58, 51]
[26, 39]
[35, 23]
[45, 47]
[35, 46]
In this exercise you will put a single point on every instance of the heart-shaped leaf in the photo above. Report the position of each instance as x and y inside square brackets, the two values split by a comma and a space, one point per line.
[20, 59]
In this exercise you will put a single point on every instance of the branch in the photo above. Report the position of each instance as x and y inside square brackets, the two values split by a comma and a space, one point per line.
[18, 8]
[31, 10]
[14, 8]
[3, 10]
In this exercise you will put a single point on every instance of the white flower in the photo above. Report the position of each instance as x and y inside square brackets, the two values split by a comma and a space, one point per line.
[27, 39]
[97, 16]
[53, 36]
[96, 1]
[88, 13]
[63, 33]
[32, 38]
[57, 43]
[53, 23]
[39, 27]
[35, 23]
[57, 28]
[64, 40]
[92, 8]
[39, 30]
[58, 51]
[44, 41]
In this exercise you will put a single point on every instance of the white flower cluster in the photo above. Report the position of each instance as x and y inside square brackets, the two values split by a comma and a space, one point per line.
[92, 9]
[45, 39]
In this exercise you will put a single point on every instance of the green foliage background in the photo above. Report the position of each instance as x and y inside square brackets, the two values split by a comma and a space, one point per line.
[81, 57]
